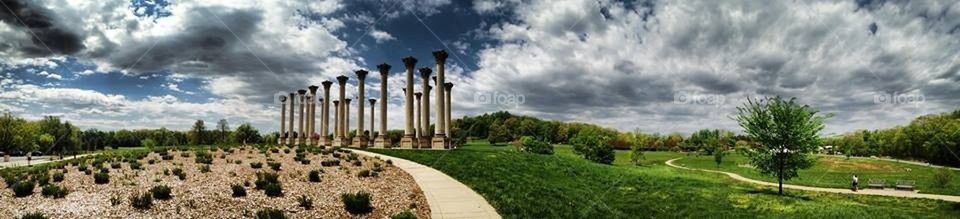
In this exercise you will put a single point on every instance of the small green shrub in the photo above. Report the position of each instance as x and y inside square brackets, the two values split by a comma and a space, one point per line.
[270, 214]
[179, 173]
[34, 215]
[358, 203]
[88, 172]
[532, 145]
[238, 162]
[58, 177]
[357, 163]
[942, 177]
[141, 201]
[238, 190]
[305, 202]
[42, 179]
[161, 192]
[273, 190]
[82, 168]
[256, 165]
[135, 165]
[314, 176]
[330, 163]
[404, 215]
[366, 173]
[23, 188]
[101, 178]
[115, 165]
[305, 161]
[204, 158]
[54, 191]
[204, 168]
[166, 157]
[115, 200]
[274, 165]
[263, 179]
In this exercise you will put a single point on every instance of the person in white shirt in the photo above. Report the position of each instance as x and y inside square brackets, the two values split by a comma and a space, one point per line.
[856, 183]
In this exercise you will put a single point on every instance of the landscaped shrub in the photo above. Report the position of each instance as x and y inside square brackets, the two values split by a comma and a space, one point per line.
[54, 191]
[358, 203]
[141, 201]
[135, 165]
[330, 163]
[42, 179]
[238, 190]
[179, 173]
[314, 176]
[274, 165]
[101, 178]
[161, 192]
[185, 154]
[115, 200]
[151, 161]
[404, 215]
[166, 157]
[23, 188]
[115, 165]
[88, 172]
[286, 150]
[273, 190]
[204, 168]
[357, 163]
[942, 177]
[305, 202]
[366, 173]
[34, 215]
[204, 158]
[270, 214]
[58, 177]
[82, 168]
[256, 165]
[266, 178]
[305, 161]
[104, 170]
[275, 150]
[593, 146]
[532, 145]
[238, 162]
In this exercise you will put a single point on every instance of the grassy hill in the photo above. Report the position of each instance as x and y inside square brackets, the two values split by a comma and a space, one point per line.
[522, 185]
[835, 172]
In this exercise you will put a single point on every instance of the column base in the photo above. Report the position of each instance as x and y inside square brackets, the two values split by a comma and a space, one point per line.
[359, 142]
[381, 142]
[280, 141]
[325, 142]
[424, 142]
[440, 142]
[340, 142]
[408, 142]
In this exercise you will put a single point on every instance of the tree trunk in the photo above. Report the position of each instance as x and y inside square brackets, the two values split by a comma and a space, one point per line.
[780, 179]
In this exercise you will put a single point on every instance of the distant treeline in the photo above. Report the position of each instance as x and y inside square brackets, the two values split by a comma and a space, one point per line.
[52, 136]
[933, 138]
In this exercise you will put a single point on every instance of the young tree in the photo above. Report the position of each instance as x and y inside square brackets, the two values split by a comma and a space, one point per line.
[245, 133]
[498, 133]
[223, 129]
[199, 132]
[14, 134]
[786, 133]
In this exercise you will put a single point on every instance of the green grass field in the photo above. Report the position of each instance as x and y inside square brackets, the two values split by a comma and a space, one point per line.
[521, 185]
[835, 172]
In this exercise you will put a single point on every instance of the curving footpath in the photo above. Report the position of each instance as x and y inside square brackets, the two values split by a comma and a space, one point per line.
[447, 197]
[893, 193]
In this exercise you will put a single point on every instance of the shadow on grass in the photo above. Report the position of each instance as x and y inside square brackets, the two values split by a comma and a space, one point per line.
[786, 194]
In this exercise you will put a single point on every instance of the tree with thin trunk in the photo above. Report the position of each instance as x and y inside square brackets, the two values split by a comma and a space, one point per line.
[785, 132]
[224, 130]
[199, 133]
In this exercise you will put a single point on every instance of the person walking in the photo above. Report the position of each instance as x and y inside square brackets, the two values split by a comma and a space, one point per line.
[856, 183]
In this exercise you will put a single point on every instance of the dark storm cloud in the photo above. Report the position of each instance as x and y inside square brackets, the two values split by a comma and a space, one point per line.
[47, 36]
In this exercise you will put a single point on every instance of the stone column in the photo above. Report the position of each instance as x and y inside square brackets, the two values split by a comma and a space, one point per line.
[419, 130]
[313, 115]
[300, 119]
[409, 139]
[325, 112]
[373, 104]
[283, 120]
[340, 140]
[291, 135]
[360, 140]
[306, 119]
[382, 141]
[346, 122]
[425, 128]
[440, 139]
[336, 120]
[446, 93]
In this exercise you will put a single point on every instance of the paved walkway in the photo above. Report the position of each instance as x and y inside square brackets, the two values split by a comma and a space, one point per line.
[884, 192]
[447, 197]
[22, 161]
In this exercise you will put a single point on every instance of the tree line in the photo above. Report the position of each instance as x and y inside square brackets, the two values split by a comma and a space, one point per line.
[50, 135]
[933, 138]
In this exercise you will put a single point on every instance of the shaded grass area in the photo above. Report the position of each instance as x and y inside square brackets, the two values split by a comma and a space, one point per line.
[836, 172]
[522, 185]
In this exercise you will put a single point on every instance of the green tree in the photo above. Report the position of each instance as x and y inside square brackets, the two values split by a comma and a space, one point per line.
[223, 130]
[593, 144]
[498, 133]
[14, 134]
[149, 143]
[245, 134]
[45, 140]
[786, 133]
[199, 132]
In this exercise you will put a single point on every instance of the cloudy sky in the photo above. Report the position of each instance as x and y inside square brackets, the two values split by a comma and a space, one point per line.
[657, 66]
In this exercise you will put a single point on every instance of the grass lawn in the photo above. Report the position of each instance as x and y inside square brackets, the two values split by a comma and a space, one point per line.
[835, 172]
[521, 185]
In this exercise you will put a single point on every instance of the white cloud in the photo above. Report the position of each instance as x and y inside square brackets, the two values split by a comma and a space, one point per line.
[381, 36]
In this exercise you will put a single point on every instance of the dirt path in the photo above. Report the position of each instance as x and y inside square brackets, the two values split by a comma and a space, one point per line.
[885, 192]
